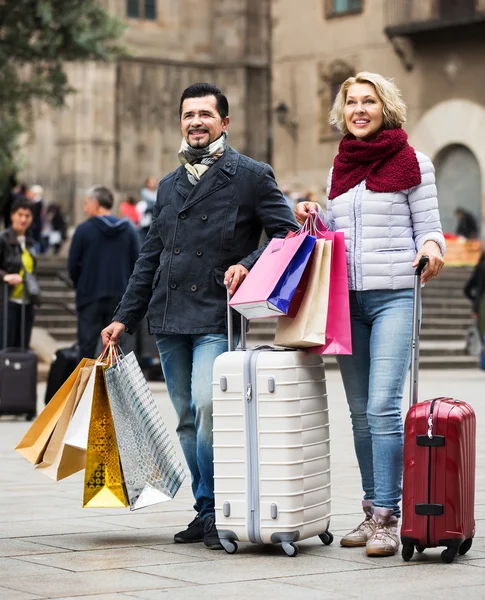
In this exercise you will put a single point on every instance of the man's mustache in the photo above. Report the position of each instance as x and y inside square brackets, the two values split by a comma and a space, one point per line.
[198, 129]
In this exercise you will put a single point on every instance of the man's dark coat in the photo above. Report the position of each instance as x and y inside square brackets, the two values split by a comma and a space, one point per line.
[198, 232]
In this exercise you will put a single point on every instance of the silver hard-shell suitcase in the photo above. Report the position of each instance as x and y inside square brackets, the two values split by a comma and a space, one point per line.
[271, 447]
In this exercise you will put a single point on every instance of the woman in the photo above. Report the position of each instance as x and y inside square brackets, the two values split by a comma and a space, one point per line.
[17, 268]
[382, 195]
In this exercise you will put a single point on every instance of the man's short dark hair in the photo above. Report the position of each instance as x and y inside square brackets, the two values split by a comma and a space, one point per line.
[199, 90]
[103, 195]
[22, 204]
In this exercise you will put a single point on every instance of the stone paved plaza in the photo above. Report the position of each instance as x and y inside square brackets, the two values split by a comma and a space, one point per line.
[50, 547]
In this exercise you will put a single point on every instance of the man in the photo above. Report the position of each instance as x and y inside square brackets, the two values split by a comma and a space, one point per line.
[17, 256]
[103, 253]
[206, 226]
[466, 224]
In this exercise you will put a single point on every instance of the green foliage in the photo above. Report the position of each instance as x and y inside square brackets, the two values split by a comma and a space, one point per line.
[37, 38]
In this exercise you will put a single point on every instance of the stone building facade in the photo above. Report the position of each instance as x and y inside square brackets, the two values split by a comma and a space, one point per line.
[434, 50]
[122, 124]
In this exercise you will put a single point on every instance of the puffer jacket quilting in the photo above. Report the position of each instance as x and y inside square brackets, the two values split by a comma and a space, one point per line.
[384, 231]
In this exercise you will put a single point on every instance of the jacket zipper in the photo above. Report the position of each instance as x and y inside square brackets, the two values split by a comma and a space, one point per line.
[355, 239]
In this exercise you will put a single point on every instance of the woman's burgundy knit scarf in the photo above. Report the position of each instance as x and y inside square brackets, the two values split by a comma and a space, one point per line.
[387, 163]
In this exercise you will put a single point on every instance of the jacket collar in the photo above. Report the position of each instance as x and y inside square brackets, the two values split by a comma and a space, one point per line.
[215, 178]
[11, 237]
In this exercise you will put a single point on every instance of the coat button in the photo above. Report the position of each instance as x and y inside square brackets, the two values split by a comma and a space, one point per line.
[173, 286]
[228, 164]
[193, 288]
[204, 217]
[199, 253]
[183, 216]
[177, 251]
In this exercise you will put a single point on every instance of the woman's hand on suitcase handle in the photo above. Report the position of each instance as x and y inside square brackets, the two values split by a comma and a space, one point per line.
[303, 210]
[113, 333]
[435, 262]
[13, 279]
[234, 276]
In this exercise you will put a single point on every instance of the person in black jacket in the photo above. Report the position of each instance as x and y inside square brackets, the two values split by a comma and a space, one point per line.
[475, 292]
[17, 255]
[207, 222]
[102, 255]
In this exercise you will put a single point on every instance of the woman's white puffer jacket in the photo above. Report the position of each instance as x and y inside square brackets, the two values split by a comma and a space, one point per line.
[384, 231]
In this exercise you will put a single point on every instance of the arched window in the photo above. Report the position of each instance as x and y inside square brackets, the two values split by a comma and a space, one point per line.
[331, 77]
[458, 180]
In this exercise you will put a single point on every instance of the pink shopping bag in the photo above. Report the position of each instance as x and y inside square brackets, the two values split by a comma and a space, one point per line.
[270, 285]
[337, 334]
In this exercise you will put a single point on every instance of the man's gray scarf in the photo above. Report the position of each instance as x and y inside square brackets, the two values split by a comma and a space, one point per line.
[198, 160]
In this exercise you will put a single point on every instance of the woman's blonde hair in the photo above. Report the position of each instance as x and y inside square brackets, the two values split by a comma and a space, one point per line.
[394, 108]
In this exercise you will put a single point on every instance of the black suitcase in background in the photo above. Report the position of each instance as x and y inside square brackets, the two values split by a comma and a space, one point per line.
[64, 362]
[18, 374]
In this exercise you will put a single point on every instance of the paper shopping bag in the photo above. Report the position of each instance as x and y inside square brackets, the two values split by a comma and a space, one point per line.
[153, 473]
[338, 338]
[59, 460]
[78, 429]
[33, 443]
[307, 328]
[270, 285]
[103, 479]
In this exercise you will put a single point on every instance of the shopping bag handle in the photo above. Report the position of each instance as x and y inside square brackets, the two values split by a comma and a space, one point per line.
[314, 224]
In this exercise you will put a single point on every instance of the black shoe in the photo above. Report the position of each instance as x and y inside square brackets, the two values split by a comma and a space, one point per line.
[193, 533]
[211, 537]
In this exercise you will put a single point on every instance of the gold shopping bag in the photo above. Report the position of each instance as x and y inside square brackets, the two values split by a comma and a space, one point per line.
[103, 480]
[34, 442]
[61, 460]
[308, 327]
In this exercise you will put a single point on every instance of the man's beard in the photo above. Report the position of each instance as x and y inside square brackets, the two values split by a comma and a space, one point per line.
[198, 143]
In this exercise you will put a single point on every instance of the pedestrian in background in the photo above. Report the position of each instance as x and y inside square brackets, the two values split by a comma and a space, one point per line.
[466, 224]
[35, 195]
[17, 270]
[205, 232]
[54, 233]
[382, 195]
[475, 292]
[102, 255]
[129, 211]
[146, 205]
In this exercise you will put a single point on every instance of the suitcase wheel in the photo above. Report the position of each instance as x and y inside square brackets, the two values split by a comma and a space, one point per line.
[327, 538]
[30, 416]
[467, 544]
[290, 548]
[420, 549]
[448, 555]
[407, 552]
[230, 546]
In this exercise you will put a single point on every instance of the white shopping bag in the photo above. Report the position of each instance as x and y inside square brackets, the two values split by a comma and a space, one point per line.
[77, 431]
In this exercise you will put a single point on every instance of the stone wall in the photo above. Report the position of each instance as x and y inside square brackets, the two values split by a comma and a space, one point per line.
[122, 125]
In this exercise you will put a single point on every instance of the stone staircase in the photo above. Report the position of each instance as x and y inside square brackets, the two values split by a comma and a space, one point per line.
[446, 316]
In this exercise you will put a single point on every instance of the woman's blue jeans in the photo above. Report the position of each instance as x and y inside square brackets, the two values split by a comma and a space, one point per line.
[374, 377]
[187, 362]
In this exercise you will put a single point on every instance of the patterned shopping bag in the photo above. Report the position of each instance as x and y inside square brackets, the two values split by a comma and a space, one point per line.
[103, 480]
[153, 473]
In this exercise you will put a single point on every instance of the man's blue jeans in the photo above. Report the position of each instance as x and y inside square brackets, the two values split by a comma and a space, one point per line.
[374, 377]
[187, 362]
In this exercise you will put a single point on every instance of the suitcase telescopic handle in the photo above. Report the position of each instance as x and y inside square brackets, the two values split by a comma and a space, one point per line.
[230, 328]
[413, 393]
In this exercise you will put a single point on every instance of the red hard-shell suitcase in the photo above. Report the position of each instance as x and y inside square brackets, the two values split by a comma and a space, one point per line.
[439, 467]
